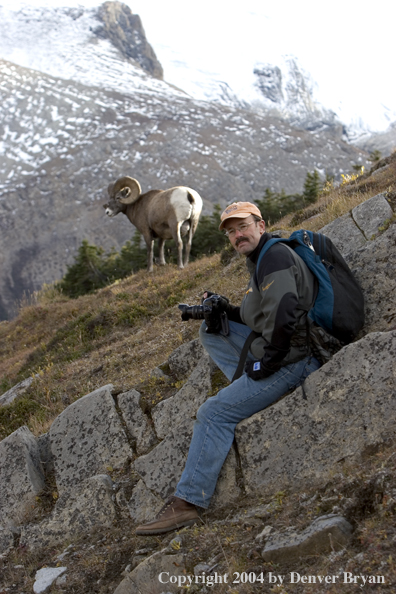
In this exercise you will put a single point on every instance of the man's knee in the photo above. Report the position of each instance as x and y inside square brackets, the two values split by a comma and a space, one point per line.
[207, 410]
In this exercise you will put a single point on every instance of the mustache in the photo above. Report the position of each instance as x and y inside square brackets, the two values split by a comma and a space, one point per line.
[238, 241]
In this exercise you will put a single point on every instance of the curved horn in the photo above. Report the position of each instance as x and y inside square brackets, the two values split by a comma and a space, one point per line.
[129, 190]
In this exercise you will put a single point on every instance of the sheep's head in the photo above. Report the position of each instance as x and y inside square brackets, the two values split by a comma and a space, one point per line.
[124, 191]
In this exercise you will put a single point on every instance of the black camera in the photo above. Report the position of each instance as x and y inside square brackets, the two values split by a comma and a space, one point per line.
[211, 311]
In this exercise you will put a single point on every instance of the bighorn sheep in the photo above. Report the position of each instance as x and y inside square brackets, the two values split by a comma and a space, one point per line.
[165, 214]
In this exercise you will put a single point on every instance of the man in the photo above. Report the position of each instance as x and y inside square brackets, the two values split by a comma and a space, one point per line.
[275, 306]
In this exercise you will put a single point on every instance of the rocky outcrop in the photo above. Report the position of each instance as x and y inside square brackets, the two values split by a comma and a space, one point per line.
[184, 359]
[165, 563]
[325, 534]
[287, 89]
[15, 391]
[375, 269]
[343, 410]
[125, 31]
[385, 141]
[21, 475]
[354, 229]
[88, 438]
[86, 505]
[138, 426]
[186, 402]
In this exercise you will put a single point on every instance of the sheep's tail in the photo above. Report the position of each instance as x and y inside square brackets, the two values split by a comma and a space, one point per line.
[196, 202]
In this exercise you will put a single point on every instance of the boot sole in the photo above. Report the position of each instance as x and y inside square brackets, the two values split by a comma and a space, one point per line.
[169, 528]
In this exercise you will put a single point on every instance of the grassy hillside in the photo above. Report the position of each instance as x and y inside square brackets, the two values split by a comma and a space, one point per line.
[120, 333]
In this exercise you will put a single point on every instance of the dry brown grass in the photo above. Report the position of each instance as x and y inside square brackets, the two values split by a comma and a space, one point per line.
[340, 200]
[115, 336]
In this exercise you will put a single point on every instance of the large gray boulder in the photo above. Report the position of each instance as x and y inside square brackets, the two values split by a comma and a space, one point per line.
[143, 504]
[21, 475]
[153, 574]
[184, 405]
[354, 229]
[185, 358]
[161, 469]
[346, 406]
[371, 214]
[374, 266]
[138, 427]
[6, 540]
[345, 234]
[88, 438]
[89, 504]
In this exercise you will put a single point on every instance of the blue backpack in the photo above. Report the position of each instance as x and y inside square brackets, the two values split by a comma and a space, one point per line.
[339, 303]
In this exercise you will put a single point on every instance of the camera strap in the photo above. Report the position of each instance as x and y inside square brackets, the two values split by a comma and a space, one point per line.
[244, 353]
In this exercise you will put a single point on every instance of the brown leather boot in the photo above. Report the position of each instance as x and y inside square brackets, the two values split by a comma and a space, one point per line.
[175, 514]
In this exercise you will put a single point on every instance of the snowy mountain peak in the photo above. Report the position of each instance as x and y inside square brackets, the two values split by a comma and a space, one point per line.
[104, 47]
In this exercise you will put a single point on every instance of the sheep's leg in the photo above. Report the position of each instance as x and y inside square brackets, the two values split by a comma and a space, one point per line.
[188, 246]
[150, 254]
[179, 243]
[161, 247]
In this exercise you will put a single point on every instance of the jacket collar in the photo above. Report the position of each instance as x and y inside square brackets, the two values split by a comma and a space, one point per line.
[253, 256]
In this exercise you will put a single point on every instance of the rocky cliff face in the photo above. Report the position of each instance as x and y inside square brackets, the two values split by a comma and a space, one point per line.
[125, 31]
[385, 142]
[345, 410]
[288, 91]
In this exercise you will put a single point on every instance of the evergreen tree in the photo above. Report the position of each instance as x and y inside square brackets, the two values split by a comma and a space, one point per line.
[276, 205]
[312, 187]
[270, 206]
[208, 239]
[131, 258]
[87, 273]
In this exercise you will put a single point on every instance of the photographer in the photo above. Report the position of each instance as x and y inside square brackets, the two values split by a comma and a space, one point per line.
[273, 319]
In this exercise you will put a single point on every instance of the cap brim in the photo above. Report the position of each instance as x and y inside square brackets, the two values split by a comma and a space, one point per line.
[240, 215]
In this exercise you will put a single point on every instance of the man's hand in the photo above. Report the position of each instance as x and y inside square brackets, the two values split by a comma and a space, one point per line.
[215, 312]
[222, 303]
[256, 370]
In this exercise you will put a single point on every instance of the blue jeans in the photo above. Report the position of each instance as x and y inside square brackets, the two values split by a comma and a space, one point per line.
[217, 418]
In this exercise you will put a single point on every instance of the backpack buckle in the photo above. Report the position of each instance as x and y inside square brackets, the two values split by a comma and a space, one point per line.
[307, 241]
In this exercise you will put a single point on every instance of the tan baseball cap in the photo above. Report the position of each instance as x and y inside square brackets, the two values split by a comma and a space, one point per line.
[239, 210]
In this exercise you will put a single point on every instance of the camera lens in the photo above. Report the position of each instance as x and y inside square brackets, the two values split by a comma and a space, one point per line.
[194, 312]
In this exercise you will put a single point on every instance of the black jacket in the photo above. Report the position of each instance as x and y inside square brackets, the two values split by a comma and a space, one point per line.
[276, 307]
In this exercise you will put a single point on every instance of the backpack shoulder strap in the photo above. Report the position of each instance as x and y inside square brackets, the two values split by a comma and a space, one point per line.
[264, 250]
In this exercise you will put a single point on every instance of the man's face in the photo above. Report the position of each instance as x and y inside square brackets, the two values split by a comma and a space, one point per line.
[244, 240]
